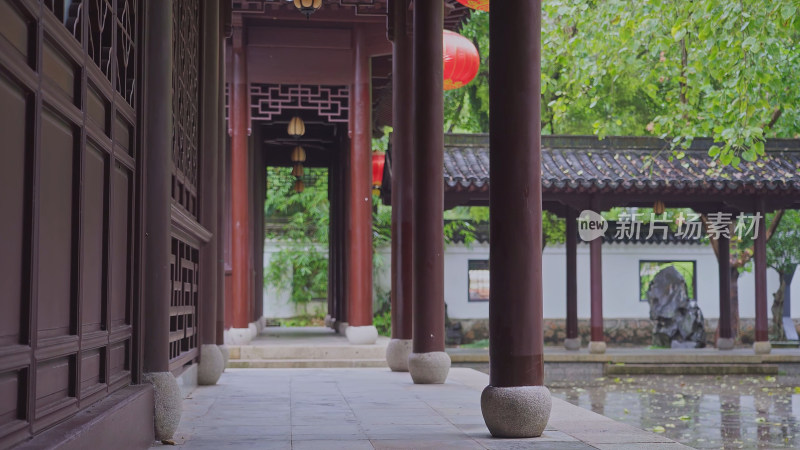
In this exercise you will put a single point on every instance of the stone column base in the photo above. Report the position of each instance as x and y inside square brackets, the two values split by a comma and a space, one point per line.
[397, 353]
[725, 343]
[242, 336]
[328, 321]
[238, 336]
[365, 335]
[212, 363]
[598, 347]
[516, 412]
[572, 343]
[429, 368]
[226, 355]
[762, 347]
[340, 327]
[168, 403]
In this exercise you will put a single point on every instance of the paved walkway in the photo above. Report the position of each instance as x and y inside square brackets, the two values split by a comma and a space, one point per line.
[374, 408]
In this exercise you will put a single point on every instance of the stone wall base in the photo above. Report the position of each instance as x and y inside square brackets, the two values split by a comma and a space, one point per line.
[618, 332]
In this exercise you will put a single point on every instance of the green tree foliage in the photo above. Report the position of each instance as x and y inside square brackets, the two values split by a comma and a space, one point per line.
[719, 68]
[300, 222]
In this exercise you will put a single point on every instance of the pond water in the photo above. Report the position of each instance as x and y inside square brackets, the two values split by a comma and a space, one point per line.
[699, 411]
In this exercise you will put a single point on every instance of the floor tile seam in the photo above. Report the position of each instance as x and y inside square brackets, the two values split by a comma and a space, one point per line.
[451, 423]
[352, 411]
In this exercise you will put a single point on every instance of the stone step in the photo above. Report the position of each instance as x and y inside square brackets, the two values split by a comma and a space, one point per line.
[305, 363]
[303, 352]
[690, 369]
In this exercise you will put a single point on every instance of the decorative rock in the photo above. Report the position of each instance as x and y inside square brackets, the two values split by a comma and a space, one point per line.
[516, 412]
[725, 343]
[168, 403]
[212, 363]
[397, 353]
[677, 318]
[366, 335]
[429, 368]
[572, 343]
[598, 347]
[762, 347]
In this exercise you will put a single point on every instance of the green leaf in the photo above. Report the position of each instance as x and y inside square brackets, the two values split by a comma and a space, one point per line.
[713, 151]
[788, 11]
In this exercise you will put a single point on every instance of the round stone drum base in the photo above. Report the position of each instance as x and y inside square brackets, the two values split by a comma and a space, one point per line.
[429, 368]
[516, 412]
[397, 354]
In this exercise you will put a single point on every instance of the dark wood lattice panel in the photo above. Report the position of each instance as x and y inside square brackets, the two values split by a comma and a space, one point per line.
[184, 268]
[185, 98]
[270, 100]
[67, 167]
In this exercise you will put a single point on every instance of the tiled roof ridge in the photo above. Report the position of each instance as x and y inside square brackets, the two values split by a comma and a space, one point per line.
[616, 143]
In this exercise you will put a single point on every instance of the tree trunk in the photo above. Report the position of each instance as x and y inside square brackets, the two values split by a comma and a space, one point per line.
[734, 306]
[777, 310]
[735, 303]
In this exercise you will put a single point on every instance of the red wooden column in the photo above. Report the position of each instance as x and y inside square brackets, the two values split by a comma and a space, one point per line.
[402, 191]
[725, 340]
[761, 344]
[222, 135]
[573, 341]
[359, 220]
[428, 362]
[158, 144]
[597, 344]
[516, 403]
[240, 205]
[211, 359]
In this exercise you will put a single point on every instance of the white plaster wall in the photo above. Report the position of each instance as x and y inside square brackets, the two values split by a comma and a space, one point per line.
[276, 303]
[620, 281]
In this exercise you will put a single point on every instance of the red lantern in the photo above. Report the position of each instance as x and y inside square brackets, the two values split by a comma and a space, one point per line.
[378, 161]
[482, 5]
[461, 61]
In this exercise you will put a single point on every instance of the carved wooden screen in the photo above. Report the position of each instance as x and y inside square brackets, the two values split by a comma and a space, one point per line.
[184, 270]
[185, 172]
[67, 220]
[185, 99]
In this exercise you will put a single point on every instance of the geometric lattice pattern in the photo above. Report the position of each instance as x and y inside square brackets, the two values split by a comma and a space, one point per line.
[184, 267]
[270, 100]
[185, 99]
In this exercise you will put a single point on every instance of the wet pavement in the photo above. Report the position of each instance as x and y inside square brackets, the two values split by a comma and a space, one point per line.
[730, 411]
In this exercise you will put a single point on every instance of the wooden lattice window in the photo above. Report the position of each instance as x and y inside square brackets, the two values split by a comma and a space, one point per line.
[185, 99]
[68, 167]
[184, 268]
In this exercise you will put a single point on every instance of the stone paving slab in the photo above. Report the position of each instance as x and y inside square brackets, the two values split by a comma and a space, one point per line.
[374, 409]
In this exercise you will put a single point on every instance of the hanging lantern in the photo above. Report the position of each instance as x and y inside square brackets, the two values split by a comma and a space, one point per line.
[299, 187]
[307, 7]
[297, 127]
[297, 170]
[659, 207]
[298, 154]
[378, 161]
[480, 5]
[461, 61]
